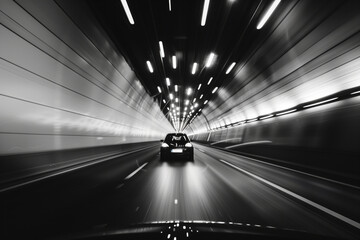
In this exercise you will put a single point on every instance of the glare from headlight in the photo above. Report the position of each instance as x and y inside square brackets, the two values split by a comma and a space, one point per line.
[164, 145]
[188, 145]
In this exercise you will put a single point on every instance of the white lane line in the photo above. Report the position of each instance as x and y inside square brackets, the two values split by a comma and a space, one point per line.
[134, 172]
[305, 200]
[293, 170]
[201, 150]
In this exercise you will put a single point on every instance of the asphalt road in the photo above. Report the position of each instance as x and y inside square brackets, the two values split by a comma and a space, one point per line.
[217, 186]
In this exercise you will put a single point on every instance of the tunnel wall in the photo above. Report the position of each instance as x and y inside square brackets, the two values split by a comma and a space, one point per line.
[65, 85]
[324, 139]
[288, 64]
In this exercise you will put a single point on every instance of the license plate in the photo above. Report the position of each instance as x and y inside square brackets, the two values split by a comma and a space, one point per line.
[177, 150]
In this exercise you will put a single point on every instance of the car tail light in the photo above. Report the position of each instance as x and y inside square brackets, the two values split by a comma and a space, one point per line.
[188, 145]
[164, 145]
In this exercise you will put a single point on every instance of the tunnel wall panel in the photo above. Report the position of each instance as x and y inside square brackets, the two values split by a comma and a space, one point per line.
[64, 84]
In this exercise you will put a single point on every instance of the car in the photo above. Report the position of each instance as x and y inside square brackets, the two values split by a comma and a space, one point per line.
[176, 145]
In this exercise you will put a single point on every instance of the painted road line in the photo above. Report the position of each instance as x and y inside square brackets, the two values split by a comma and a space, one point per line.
[134, 172]
[305, 200]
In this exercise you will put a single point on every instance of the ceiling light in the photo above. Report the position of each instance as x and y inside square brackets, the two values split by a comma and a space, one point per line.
[196, 105]
[199, 86]
[176, 99]
[176, 88]
[185, 108]
[201, 96]
[205, 11]
[164, 101]
[149, 66]
[285, 112]
[159, 89]
[268, 14]
[194, 100]
[177, 108]
[206, 101]
[187, 102]
[230, 68]
[127, 11]
[174, 61]
[318, 103]
[168, 109]
[192, 107]
[210, 60]
[215, 89]
[162, 53]
[171, 96]
[188, 91]
[210, 80]
[194, 68]
[200, 110]
[167, 81]
[172, 105]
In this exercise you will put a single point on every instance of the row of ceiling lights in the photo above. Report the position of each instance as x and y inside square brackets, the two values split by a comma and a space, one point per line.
[209, 61]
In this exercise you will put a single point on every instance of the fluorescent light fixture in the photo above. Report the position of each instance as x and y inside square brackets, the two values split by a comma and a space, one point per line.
[176, 88]
[187, 102]
[268, 14]
[167, 81]
[194, 68]
[210, 80]
[176, 99]
[205, 11]
[285, 112]
[164, 101]
[200, 109]
[194, 100]
[199, 86]
[188, 91]
[177, 108]
[353, 93]
[172, 105]
[174, 62]
[251, 120]
[162, 53]
[185, 109]
[192, 107]
[150, 66]
[170, 5]
[206, 101]
[318, 103]
[171, 96]
[215, 89]
[196, 105]
[268, 116]
[230, 68]
[210, 60]
[168, 109]
[159, 89]
[201, 96]
[127, 11]
[177, 113]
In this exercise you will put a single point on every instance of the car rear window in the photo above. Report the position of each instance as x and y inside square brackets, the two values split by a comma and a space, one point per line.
[176, 138]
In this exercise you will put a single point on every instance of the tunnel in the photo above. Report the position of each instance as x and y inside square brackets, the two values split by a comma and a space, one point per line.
[101, 100]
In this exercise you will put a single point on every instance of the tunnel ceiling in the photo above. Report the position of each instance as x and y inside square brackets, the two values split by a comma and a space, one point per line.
[297, 56]
[230, 33]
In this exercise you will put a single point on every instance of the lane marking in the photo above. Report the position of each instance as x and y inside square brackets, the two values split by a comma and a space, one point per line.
[120, 185]
[305, 200]
[290, 169]
[201, 150]
[134, 172]
[74, 168]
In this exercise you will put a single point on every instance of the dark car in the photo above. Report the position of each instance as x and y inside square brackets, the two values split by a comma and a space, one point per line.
[176, 145]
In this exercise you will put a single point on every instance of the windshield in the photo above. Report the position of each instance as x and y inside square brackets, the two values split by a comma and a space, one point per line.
[176, 138]
[115, 113]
